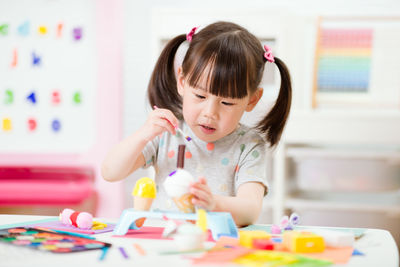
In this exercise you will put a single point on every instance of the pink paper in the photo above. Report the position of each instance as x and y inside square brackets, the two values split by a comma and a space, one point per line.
[149, 232]
[219, 256]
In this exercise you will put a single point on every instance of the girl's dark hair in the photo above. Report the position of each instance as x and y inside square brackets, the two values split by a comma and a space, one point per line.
[233, 61]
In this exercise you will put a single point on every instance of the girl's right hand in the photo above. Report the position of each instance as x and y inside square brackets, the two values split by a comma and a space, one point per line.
[159, 121]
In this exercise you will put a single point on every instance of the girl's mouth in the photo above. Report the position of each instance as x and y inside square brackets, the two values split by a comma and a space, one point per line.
[207, 130]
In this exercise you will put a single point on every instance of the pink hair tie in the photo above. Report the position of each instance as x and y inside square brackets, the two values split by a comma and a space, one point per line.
[268, 54]
[189, 36]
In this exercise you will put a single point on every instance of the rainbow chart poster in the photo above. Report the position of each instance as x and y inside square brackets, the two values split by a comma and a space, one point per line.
[357, 63]
[344, 63]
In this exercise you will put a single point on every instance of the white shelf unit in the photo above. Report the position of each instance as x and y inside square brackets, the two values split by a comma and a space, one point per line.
[338, 135]
[335, 135]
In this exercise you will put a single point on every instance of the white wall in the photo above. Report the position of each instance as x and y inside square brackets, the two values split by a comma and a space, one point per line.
[139, 56]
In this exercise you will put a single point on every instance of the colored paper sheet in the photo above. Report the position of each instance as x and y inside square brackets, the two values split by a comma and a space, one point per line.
[57, 225]
[262, 258]
[149, 232]
[221, 256]
[337, 255]
[21, 224]
[267, 228]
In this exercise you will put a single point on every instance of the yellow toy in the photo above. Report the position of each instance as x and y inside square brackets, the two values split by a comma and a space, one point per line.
[143, 194]
[303, 242]
[246, 237]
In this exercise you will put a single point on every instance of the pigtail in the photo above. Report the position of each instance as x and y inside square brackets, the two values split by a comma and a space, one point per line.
[274, 122]
[162, 89]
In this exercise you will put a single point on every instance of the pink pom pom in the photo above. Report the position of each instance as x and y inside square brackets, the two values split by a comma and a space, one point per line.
[275, 229]
[65, 216]
[84, 220]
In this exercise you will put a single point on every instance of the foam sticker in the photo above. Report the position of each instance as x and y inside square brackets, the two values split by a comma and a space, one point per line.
[23, 29]
[7, 124]
[56, 125]
[77, 33]
[32, 98]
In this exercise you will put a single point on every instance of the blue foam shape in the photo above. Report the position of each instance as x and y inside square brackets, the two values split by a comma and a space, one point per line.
[220, 223]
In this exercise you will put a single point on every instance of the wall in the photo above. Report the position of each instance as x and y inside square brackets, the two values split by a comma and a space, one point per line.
[140, 55]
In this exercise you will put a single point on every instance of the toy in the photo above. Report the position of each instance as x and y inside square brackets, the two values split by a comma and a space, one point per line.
[178, 183]
[246, 237]
[263, 243]
[303, 242]
[336, 239]
[286, 223]
[83, 220]
[143, 194]
[220, 223]
[189, 237]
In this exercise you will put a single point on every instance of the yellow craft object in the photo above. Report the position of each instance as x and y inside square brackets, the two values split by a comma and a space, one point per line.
[303, 242]
[145, 187]
[246, 237]
[98, 225]
[202, 219]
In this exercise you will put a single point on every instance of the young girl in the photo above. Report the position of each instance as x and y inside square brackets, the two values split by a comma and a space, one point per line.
[217, 82]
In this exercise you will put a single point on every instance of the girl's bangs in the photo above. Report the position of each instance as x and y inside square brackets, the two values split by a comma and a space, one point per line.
[224, 76]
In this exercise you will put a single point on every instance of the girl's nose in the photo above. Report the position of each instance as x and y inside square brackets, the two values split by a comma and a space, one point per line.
[210, 109]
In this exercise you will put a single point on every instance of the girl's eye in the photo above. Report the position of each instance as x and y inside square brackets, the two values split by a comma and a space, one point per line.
[227, 103]
[200, 96]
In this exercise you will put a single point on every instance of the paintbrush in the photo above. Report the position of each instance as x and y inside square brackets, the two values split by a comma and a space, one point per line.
[188, 138]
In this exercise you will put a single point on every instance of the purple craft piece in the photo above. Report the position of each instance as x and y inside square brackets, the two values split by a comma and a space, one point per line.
[57, 225]
[77, 33]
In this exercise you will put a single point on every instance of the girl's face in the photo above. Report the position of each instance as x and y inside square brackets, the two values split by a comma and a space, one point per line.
[209, 116]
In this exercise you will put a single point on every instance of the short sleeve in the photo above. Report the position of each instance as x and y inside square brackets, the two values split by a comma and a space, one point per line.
[253, 166]
[150, 152]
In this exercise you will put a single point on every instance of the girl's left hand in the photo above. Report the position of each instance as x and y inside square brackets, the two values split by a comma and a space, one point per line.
[203, 196]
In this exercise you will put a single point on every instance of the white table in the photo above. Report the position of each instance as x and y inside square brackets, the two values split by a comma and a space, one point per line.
[378, 245]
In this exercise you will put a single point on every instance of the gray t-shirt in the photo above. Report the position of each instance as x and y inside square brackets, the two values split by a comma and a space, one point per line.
[231, 161]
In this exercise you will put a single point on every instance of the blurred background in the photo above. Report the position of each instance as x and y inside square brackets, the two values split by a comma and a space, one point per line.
[73, 79]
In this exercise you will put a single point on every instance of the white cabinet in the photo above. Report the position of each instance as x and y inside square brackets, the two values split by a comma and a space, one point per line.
[340, 169]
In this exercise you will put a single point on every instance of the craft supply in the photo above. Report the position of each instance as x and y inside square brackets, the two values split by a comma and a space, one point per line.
[188, 138]
[189, 237]
[143, 194]
[201, 219]
[123, 252]
[103, 253]
[263, 243]
[58, 225]
[98, 225]
[182, 133]
[286, 223]
[219, 223]
[303, 242]
[139, 249]
[335, 238]
[246, 237]
[73, 234]
[83, 220]
[177, 184]
[51, 241]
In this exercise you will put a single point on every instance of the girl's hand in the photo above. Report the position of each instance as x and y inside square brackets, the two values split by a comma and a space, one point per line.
[158, 122]
[202, 195]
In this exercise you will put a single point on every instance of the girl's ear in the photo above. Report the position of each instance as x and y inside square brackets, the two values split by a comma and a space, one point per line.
[180, 81]
[254, 99]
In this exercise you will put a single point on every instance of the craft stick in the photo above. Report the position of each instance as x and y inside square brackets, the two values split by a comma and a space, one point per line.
[123, 252]
[103, 253]
[139, 249]
[181, 157]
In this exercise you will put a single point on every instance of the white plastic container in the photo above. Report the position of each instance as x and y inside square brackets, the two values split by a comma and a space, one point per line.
[344, 175]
